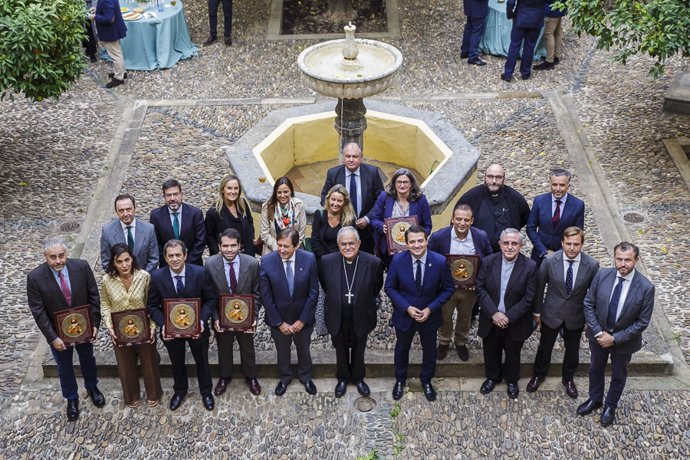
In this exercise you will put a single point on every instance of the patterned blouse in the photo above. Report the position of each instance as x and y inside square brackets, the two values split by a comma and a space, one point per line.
[114, 296]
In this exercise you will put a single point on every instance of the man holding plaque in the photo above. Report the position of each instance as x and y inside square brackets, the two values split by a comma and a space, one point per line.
[352, 280]
[170, 286]
[52, 288]
[460, 238]
[289, 291]
[234, 273]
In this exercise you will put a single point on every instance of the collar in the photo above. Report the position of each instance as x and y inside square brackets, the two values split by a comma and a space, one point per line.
[133, 225]
[454, 234]
[553, 198]
[355, 172]
[179, 210]
[182, 273]
[291, 259]
[576, 259]
[509, 262]
[423, 258]
[629, 277]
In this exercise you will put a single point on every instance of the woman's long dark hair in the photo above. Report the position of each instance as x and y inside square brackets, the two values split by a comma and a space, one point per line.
[116, 251]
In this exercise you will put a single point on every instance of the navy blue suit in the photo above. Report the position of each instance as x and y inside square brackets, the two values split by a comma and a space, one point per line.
[440, 241]
[192, 232]
[437, 287]
[540, 224]
[197, 285]
[528, 21]
[109, 23]
[476, 12]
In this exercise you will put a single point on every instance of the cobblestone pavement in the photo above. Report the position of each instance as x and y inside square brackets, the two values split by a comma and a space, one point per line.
[53, 153]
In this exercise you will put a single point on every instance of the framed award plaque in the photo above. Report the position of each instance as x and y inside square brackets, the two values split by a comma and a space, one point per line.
[131, 327]
[463, 269]
[395, 236]
[74, 325]
[182, 319]
[236, 312]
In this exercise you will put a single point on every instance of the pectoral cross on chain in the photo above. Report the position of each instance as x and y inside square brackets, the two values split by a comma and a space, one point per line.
[349, 296]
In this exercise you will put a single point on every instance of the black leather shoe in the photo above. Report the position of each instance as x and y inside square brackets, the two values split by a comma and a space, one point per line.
[254, 387]
[114, 83]
[280, 388]
[340, 388]
[463, 353]
[526, 76]
[544, 66]
[398, 389]
[176, 401]
[464, 55]
[505, 77]
[487, 387]
[93, 58]
[228, 41]
[209, 402]
[429, 392]
[210, 41]
[588, 407]
[608, 416]
[96, 397]
[363, 388]
[513, 390]
[476, 61]
[222, 385]
[112, 75]
[570, 389]
[534, 384]
[441, 352]
[72, 410]
[310, 387]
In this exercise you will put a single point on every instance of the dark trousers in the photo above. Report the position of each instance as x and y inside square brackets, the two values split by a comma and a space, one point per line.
[283, 347]
[349, 353]
[68, 381]
[471, 36]
[495, 345]
[89, 42]
[518, 35]
[366, 236]
[213, 17]
[619, 373]
[199, 348]
[571, 358]
[427, 336]
[247, 354]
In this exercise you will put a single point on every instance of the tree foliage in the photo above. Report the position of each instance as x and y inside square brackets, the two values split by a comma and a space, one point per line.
[658, 28]
[40, 46]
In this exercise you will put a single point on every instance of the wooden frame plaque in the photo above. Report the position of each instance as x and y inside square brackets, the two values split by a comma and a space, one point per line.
[131, 327]
[464, 269]
[182, 319]
[395, 236]
[236, 312]
[74, 325]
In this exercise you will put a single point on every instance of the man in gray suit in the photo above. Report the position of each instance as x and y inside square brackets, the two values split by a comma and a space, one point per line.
[234, 273]
[568, 272]
[618, 308]
[138, 235]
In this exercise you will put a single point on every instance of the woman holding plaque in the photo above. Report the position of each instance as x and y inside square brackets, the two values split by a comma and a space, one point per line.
[230, 210]
[125, 287]
[282, 210]
[402, 198]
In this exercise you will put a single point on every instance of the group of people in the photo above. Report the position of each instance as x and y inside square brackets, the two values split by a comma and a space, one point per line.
[559, 288]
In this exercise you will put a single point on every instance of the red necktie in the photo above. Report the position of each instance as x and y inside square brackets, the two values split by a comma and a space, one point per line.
[65, 288]
[556, 214]
[233, 279]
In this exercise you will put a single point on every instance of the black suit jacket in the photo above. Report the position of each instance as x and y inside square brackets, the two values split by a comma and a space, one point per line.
[518, 299]
[216, 223]
[45, 297]
[367, 284]
[371, 184]
[192, 232]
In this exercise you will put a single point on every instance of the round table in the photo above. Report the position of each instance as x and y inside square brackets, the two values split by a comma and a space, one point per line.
[496, 39]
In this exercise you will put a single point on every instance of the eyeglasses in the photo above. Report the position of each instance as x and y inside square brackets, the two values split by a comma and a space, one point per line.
[347, 244]
[403, 182]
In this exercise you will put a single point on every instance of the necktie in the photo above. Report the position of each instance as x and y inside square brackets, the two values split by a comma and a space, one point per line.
[556, 214]
[613, 304]
[290, 275]
[130, 238]
[569, 278]
[65, 288]
[354, 199]
[179, 286]
[176, 225]
[418, 275]
[233, 278]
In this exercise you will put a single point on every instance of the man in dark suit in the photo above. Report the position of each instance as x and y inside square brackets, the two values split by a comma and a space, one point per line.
[568, 273]
[459, 238]
[213, 21]
[418, 284]
[140, 236]
[496, 206]
[180, 280]
[58, 284]
[551, 214]
[352, 280]
[111, 29]
[289, 291]
[363, 183]
[180, 221]
[234, 273]
[618, 308]
[476, 12]
[528, 19]
[506, 285]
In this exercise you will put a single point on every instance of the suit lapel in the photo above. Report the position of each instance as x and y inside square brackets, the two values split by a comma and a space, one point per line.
[138, 237]
[218, 272]
[167, 225]
[582, 272]
[53, 285]
[243, 284]
[364, 186]
[75, 281]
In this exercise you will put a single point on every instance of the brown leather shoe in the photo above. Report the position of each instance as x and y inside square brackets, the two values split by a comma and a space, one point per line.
[254, 387]
[221, 386]
[534, 384]
[570, 389]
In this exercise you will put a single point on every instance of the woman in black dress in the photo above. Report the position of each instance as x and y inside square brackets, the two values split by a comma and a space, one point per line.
[230, 210]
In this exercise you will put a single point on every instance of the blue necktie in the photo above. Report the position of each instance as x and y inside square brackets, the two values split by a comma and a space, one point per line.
[290, 275]
[613, 304]
[176, 225]
[354, 199]
[180, 286]
[418, 276]
[569, 278]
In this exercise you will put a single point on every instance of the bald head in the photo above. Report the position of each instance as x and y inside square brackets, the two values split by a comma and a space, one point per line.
[494, 178]
[352, 156]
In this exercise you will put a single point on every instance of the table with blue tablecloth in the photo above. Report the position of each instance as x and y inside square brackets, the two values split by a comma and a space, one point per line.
[156, 42]
[496, 39]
